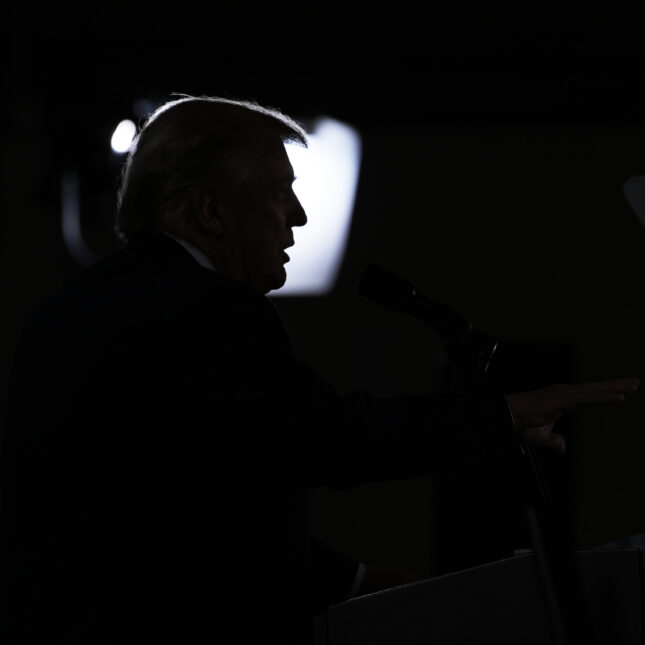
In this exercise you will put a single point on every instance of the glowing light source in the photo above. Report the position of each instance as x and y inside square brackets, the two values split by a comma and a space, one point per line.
[123, 136]
[327, 178]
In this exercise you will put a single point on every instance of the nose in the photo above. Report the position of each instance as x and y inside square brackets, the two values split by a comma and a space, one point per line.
[298, 215]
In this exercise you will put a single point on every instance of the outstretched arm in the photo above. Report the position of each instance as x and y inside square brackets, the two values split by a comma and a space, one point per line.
[535, 412]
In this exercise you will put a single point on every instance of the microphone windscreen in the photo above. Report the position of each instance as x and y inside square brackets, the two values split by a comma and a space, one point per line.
[386, 288]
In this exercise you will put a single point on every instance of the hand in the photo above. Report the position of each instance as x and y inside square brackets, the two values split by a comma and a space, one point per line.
[536, 412]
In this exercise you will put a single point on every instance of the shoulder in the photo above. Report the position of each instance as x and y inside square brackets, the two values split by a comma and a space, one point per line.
[150, 283]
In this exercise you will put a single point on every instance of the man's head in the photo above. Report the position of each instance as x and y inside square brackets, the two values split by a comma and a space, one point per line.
[216, 173]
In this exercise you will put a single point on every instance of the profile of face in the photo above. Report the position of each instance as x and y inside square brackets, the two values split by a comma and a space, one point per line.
[256, 218]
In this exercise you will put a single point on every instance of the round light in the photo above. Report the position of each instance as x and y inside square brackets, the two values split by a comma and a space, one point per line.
[123, 136]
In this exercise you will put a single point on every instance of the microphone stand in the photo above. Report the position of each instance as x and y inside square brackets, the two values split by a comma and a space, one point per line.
[474, 354]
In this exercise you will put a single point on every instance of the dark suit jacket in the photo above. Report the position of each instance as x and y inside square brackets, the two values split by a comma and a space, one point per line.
[159, 447]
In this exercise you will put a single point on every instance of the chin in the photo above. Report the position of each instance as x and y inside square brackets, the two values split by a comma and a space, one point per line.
[277, 280]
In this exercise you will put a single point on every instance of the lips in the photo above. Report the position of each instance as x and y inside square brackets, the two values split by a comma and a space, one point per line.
[289, 244]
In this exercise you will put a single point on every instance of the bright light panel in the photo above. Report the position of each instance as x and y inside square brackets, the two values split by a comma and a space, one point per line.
[327, 173]
[327, 178]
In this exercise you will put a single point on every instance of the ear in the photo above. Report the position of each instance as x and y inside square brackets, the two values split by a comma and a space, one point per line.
[207, 210]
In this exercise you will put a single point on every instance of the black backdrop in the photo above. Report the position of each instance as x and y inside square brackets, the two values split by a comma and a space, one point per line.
[496, 140]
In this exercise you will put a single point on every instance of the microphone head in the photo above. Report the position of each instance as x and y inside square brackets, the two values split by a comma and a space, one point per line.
[386, 288]
[398, 294]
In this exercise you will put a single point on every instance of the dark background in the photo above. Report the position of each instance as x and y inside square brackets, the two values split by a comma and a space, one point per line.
[496, 140]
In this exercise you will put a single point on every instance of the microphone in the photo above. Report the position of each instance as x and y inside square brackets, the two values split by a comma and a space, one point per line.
[463, 342]
[398, 294]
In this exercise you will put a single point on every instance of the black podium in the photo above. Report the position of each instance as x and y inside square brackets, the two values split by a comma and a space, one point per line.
[500, 603]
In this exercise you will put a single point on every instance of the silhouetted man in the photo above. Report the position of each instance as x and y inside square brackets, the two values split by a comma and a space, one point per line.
[162, 437]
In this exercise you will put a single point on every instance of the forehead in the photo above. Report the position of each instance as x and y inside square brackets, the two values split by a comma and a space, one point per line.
[259, 160]
[273, 159]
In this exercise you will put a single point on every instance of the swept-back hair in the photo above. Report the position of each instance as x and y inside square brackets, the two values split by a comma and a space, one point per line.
[179, 143]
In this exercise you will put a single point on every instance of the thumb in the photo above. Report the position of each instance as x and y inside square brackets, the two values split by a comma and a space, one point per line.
[544, 437]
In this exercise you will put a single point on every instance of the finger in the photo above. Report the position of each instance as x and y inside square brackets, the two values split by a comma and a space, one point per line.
[599, 392]
[537, 422]
[543, 437]
[537, 435]
[556, 443]
[586, 397]
[619, 386]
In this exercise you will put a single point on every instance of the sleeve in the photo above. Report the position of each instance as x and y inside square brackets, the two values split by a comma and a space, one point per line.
[281, 418]
[322, 438]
